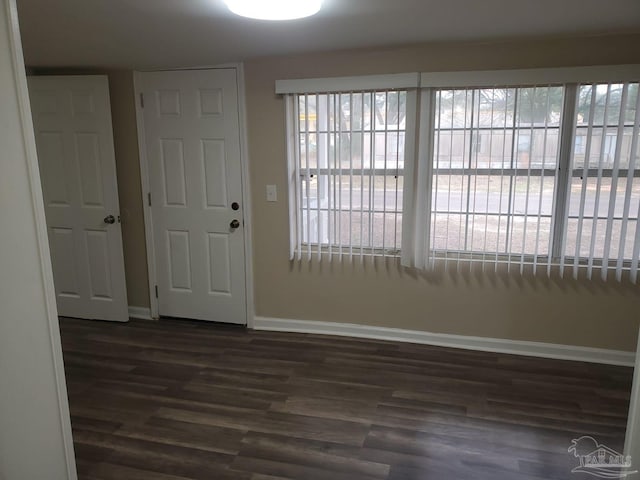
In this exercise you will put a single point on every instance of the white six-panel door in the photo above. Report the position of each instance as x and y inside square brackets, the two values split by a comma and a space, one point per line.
[74, 139]
[192, 143]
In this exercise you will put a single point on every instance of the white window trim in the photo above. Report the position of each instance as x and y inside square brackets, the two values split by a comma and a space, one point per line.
[531, 76]
[348, 84]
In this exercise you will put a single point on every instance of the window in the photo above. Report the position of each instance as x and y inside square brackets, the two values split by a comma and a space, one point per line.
[498, 201]
[526, 201]
[349, 168]
[604, 191]
[532, 168]
[580, 145]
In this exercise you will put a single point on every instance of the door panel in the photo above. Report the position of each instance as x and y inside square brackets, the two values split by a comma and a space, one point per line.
[192, 141]
[64, 263]
[215, 173]
[72, 123]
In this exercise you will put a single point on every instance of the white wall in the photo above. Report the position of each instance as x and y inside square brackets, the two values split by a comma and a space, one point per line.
[35, 430]
[632, 446]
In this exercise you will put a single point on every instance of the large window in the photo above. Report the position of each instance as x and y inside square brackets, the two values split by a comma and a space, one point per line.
[532, 169]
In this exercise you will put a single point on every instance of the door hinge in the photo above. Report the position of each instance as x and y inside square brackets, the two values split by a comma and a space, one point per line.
[142, 100]
[149, 198]
[156, 291]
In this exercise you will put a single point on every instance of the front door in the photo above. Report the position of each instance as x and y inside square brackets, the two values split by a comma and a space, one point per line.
[192, 143]
[74, 138]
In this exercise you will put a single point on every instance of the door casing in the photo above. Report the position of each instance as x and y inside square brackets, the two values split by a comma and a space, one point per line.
[48, 324]
[246, 196]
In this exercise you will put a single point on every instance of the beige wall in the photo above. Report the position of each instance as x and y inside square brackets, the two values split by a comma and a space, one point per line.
[125, 139]
[576, 313]
[588, 314]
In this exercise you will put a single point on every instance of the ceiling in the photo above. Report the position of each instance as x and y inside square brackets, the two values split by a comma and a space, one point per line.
[181, 33]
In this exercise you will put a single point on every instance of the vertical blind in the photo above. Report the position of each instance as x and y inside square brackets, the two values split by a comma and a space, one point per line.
[495, 166]
[602, 232]
[347, 171]
[534, 176]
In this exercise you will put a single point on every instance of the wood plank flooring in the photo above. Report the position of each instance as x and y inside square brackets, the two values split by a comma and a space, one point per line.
[177, 400]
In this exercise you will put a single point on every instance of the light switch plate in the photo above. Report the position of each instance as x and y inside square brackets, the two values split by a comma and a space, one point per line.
[272, 193]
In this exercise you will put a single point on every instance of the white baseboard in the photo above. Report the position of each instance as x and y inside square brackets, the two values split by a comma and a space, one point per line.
[141, 313]
[498, 345]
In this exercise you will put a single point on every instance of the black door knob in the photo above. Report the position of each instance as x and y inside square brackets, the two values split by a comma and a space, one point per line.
[110, 219]
[235, 206]
[234, 224]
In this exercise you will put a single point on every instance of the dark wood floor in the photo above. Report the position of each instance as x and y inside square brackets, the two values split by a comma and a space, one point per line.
[187, 400]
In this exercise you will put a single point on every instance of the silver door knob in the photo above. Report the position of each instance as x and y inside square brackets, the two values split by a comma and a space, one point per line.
[234, 224]
[110, 219]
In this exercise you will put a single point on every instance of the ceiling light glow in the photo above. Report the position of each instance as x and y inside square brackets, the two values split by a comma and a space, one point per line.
[274, 9]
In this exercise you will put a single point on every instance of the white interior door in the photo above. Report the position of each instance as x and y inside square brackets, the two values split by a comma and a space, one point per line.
[74, 139]
[192, 140]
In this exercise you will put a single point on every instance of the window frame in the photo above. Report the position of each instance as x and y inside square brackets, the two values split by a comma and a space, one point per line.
[511, 172]
[299, 244]
[570, 78]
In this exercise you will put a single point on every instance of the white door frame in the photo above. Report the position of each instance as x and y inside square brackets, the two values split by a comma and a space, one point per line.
[632, 440]
[41, 231]
[246, 196]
